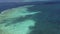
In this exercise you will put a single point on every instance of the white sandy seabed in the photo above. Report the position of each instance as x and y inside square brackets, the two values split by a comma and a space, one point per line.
[18, 28]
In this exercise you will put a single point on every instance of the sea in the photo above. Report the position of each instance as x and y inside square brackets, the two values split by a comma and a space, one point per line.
[48, 21]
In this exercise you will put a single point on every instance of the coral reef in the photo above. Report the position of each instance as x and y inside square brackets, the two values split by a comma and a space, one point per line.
[14, 21]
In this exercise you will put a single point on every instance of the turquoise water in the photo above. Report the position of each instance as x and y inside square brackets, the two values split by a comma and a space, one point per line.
[7, 18]
[35, 19]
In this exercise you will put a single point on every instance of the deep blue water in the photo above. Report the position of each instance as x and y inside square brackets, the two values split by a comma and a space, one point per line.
[47, 21]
